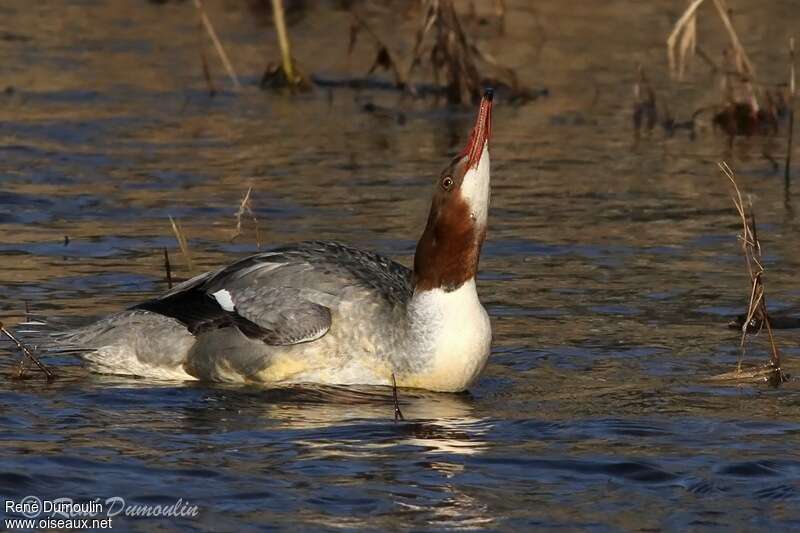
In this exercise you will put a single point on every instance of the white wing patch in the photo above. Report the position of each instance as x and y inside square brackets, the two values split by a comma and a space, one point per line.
[224, 299]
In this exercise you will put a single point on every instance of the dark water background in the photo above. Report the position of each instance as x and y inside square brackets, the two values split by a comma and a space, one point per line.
[610, 271]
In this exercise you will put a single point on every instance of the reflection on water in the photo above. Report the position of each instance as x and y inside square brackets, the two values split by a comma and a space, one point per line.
[609, 272]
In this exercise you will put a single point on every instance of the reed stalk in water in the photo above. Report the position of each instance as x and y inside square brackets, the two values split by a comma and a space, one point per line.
[398, 414]
[217, 44]
[167, 269]
[283, 41]
[757, 305]
[685, 30]
[287, 74]
[790, 126]
[28, 354]
[246, 207]
[182, 243]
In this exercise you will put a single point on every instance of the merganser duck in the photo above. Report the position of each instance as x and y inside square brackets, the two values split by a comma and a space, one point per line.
[324, 312]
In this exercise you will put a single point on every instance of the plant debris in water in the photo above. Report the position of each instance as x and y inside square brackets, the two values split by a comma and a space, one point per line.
[757, 305]
[28, 355]
[747, 107]
[183, 243]
[460, 69]
[245, 207]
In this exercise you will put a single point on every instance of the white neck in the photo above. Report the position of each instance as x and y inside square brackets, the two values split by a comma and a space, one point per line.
[475, 188]
[450, 338]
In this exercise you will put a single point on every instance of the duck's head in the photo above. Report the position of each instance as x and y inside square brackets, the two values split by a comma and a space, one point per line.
[448, 252]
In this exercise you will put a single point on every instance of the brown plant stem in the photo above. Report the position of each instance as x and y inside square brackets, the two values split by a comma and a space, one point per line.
[757, 305]
[182, 242]
[49, 375]
[398, 414]
[790, 129]
[167, 269]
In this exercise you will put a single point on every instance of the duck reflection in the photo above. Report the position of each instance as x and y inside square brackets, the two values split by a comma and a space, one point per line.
[435, 422]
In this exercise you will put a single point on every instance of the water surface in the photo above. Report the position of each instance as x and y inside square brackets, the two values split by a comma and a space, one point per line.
[610, 270]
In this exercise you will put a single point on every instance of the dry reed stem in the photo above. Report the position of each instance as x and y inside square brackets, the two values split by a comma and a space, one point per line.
[751, 247]
[49, 375]
[685, 30]
[687, 21]
[217, 44]
[283, 42]
[182, 243]
[398, 414]
[766, 373]
[688, 44]
[743, 63]
[790, 130]
[167, 269]
[246, 207]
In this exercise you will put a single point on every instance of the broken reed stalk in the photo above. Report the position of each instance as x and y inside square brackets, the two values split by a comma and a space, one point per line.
[790, 130]
[757, 305]
[217, 44]
[182, 242]
[743, 63]
[687, 22]
[246, 207]
[49, 375]
[167, 269]
[685, 29]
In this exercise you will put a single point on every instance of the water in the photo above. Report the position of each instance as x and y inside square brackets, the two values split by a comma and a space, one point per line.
[609, 273]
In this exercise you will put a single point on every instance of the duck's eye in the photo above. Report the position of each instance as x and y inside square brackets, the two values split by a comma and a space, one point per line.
[447, 183]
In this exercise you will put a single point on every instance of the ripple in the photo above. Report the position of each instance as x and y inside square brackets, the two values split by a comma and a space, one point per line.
[752, 469]
[782, 492]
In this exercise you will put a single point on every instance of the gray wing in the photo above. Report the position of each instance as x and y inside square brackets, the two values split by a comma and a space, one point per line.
[282, 316]
[285, 296]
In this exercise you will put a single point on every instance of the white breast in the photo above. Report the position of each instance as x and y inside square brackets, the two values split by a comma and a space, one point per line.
[453, 337]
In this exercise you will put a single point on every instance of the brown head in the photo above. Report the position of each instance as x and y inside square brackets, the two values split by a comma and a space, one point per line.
[448, 252]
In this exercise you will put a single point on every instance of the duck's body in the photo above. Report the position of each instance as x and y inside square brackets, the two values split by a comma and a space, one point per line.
[323, 312]
[316, 312]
